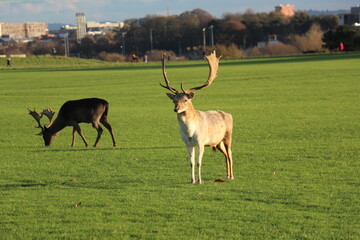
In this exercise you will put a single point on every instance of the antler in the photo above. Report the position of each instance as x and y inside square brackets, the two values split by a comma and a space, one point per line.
[37, 117]
[173, 90]
[213, 62]
[49, 113]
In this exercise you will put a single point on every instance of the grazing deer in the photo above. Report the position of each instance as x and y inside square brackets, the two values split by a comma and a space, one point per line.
[89, 110]
[201, 128]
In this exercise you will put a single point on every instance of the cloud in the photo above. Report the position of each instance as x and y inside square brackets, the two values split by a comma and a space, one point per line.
[63, 5]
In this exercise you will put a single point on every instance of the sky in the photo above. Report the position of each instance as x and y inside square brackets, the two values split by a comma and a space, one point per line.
[63, 11]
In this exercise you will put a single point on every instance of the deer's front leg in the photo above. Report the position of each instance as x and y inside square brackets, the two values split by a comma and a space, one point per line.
[201, 153]
[191, 151]
[78, 129]
[73, 137]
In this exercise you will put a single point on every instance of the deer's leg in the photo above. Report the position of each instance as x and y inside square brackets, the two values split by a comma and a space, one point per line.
[223, 150]
[106, 123]
[78, 129]
[191, 151]
[99, 130]
[73, 137]
[200, 155]
[230, 161]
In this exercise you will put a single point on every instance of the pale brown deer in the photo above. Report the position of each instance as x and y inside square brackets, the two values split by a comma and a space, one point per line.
[202, 128]
[89, 110]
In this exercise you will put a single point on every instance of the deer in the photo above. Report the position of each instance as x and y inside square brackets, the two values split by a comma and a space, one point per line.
[201, 128]
[71, 113]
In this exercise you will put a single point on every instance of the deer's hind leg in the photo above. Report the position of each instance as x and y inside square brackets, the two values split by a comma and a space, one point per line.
[106, 123]
[225, 148]
[227, 144]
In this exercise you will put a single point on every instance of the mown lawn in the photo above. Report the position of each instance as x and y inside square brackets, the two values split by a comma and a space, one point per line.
[296, 148]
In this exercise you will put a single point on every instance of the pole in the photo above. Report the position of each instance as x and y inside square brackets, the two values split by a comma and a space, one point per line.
[151, 40]
[123, 44]
[204, 39]
[212, 35]
[67, 47]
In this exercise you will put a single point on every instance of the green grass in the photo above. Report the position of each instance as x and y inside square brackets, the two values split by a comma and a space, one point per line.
[296, 148]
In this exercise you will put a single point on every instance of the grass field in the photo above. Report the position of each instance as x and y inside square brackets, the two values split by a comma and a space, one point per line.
[296, 148]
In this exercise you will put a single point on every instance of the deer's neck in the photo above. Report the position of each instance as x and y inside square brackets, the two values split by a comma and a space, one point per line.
[56, 126]
[188, 116]
[188, 121]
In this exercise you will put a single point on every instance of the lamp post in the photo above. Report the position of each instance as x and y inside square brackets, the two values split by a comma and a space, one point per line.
[211, 35]
[65, 36]
[204, 39]
[123, 43]
[151, 39]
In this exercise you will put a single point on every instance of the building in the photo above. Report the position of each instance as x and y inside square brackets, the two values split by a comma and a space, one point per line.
[84, 28]
[96, 28]
[105, 25]
[91, 28]
[287, 10]
[352, 18]
[81, 26]
[23, 30]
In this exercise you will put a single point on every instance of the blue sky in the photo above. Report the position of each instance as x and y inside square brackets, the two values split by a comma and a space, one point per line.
[63, 11]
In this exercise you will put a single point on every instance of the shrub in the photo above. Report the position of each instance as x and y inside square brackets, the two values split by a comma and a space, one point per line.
[231, 51]
[155, 55]
[273, 50]
[111, 57]
[310, 42]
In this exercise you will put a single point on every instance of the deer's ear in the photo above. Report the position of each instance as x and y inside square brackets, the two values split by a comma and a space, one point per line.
[171, 96]
[191, 95]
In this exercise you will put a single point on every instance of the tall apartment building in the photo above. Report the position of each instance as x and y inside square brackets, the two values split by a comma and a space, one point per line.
[286, 10]
[351, 18]
[23, 30]
[81, 26]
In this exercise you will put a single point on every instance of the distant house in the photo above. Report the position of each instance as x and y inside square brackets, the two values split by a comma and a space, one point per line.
[272, 40]
[286, 10]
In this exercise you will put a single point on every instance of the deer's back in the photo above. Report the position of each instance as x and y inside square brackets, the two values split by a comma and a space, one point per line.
[83, 110]
[214, 125]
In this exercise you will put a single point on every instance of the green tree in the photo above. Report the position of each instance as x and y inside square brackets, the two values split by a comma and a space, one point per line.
[87, 46]
[346, 34]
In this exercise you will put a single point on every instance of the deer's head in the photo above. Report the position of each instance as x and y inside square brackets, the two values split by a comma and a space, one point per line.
[182, 100]
[48, 138]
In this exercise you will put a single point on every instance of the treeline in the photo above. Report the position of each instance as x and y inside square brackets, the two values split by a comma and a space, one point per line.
[235, 34]
[184, 34]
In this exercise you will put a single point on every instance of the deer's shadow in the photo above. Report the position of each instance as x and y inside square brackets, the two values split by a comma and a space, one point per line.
[73, 149]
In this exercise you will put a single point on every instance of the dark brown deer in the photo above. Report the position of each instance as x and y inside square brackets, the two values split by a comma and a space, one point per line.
[202, 128]
[89, 110]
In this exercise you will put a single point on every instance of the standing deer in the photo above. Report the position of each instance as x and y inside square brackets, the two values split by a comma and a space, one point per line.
[89, 110]
[201, 128]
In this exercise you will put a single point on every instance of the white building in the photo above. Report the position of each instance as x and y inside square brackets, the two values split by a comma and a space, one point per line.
[81, 26]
